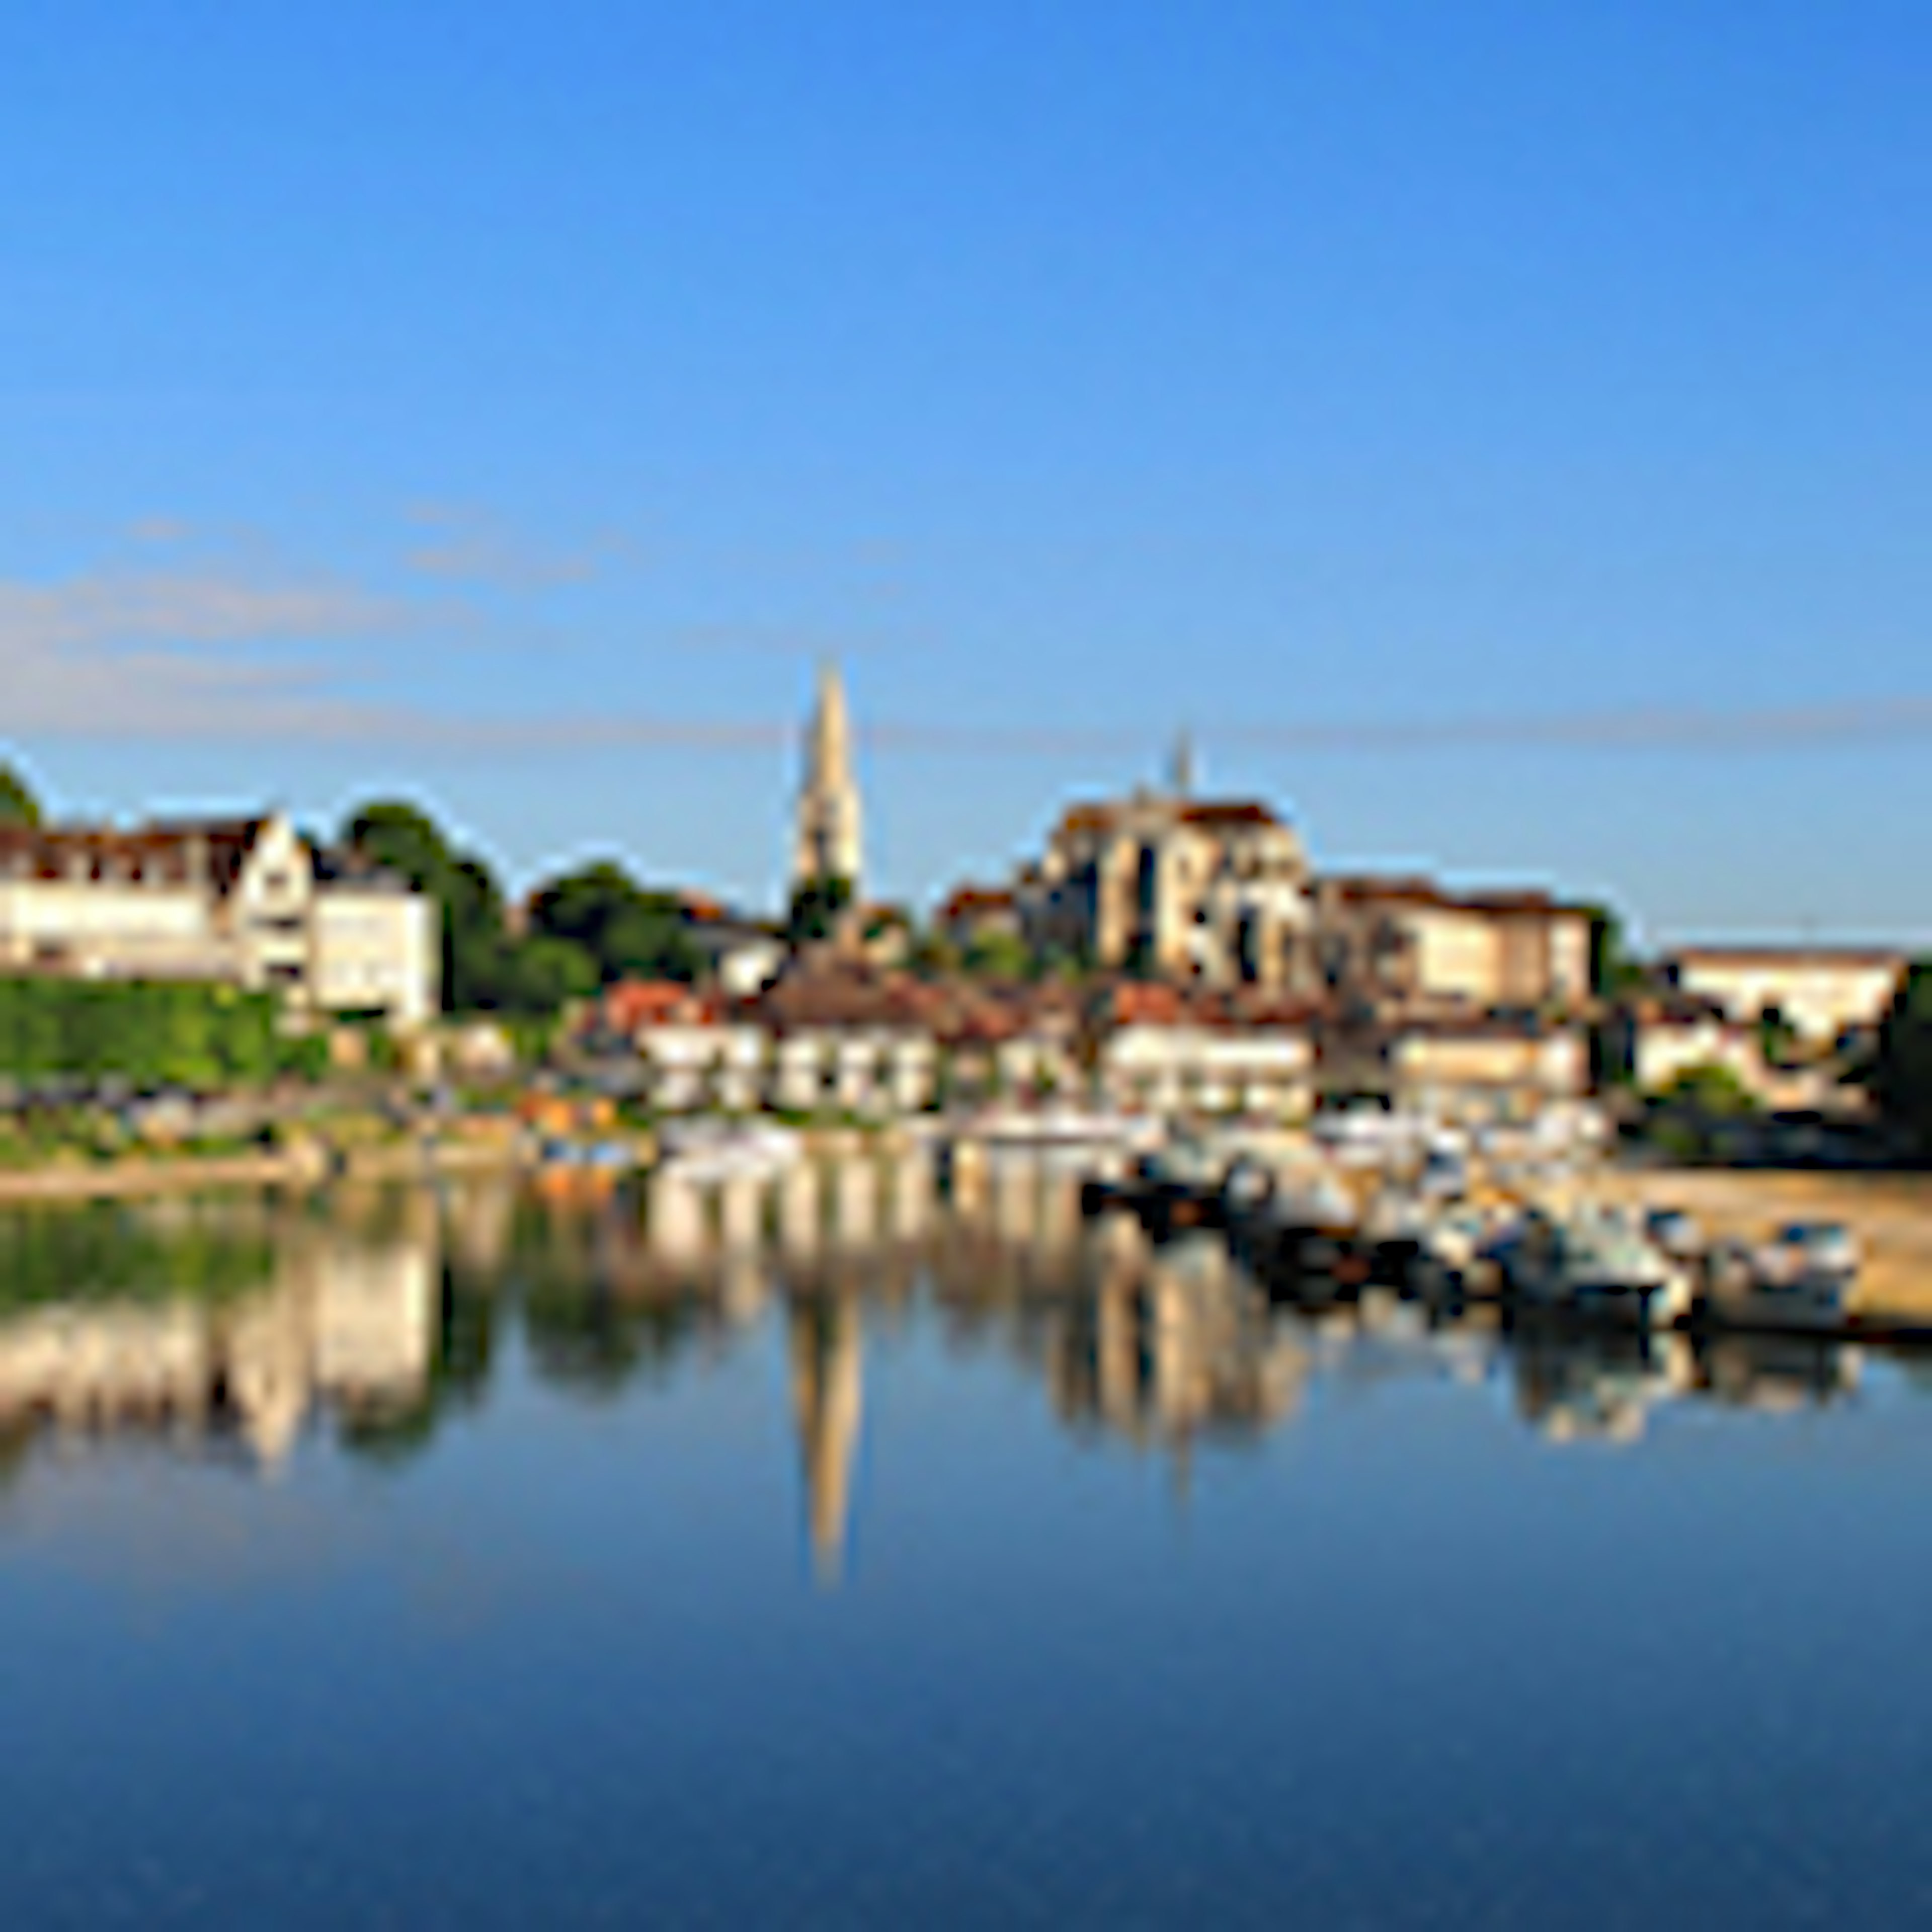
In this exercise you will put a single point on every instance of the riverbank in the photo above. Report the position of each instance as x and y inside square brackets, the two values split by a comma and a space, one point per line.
[305, 1163]
[127, 1177]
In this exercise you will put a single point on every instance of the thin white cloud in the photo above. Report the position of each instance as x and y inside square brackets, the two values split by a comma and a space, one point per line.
[471, 547]
[181, 609]
[161, 653]
[160, 530]
[212, 653]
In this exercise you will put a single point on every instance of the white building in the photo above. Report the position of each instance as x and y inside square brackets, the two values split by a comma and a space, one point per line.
[1167, 1067]
[1477, 1070]
[1821, 992]
[242, 902]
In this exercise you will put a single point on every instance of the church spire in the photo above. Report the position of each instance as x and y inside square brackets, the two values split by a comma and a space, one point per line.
[1180, 772]
[828, 844]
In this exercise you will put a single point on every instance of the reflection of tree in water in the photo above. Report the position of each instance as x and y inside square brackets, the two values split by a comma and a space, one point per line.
[102, 1250]
[583, 1335]
[17, 1436]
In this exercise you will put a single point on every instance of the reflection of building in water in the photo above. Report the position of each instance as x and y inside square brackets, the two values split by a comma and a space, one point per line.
[827, 1388]
[1164, 1349]
[912, 1190]
[342, 1319]
[800, 1215]
[856, 1203]
[480, 1214]
[741, 1213]
[674, 1220]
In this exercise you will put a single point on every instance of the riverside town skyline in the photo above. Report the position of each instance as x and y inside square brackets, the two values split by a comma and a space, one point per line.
[965, 966]
[822, 780]
[1481, 483]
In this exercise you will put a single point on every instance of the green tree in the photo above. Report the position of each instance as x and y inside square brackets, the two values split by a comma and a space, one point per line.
[405, 840]
[1777, 1039]
[934, 956]
[1711, 1090]
[1615, 973]
[626, 931]
[542, 974]
[1901, 1063]
[817, 906]
[18, 804]
[999, 955]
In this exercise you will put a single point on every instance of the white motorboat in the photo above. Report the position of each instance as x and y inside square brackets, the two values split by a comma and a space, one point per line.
[717, 1150]
[1802, 1278]
[1597, 1261]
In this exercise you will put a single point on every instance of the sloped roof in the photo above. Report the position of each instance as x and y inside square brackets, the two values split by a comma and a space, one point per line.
[1226, 814]
[163, 852]
[969, 902]
[1795, 958]
[1375, 888]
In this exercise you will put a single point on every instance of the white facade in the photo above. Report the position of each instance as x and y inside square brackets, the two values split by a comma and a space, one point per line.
[374, 951]
[1487, 1074]
[1165, 1070]
[870, 1070]
[695, 1066]
[236, 901]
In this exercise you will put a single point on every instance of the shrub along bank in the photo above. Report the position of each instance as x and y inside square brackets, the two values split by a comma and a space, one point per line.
[149, 1033]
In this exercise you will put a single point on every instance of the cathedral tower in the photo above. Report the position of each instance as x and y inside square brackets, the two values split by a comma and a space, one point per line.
[828, 845]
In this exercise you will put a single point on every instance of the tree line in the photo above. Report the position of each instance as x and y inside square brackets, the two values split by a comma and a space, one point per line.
[585, 929]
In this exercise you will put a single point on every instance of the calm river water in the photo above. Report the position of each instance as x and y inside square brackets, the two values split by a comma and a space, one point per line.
[823, 1556]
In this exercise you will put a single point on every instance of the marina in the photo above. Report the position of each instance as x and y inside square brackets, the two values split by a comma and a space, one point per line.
[1547, 1236]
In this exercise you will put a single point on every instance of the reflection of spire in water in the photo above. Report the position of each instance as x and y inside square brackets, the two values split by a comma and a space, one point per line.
[741, 1288]
[827, 1388]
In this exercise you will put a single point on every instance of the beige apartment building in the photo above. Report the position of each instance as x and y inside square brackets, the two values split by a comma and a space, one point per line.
[245, 902]
[1408, 942]
[1821, 992]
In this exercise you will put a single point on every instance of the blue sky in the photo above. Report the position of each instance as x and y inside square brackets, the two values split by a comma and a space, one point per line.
[1502, 432]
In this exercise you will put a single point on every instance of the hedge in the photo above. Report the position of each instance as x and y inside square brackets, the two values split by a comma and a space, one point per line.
[151, 1033]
